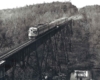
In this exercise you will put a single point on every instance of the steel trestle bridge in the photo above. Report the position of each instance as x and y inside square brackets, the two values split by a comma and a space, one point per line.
[47, 52]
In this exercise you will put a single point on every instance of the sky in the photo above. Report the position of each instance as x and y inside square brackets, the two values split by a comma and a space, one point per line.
[4, 4]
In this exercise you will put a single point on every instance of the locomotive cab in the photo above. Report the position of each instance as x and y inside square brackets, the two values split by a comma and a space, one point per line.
[32, 33]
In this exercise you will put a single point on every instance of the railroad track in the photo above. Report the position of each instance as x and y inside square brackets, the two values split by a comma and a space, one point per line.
[12, 51]
[7, 54]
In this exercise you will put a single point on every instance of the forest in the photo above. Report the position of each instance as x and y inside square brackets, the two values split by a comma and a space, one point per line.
[93, 18]
[14, 25]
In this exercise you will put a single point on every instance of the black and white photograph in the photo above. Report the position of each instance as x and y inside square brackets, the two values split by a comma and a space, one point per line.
[49, 40]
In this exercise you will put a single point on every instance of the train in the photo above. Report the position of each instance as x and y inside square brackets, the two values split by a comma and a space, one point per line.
[41, 28]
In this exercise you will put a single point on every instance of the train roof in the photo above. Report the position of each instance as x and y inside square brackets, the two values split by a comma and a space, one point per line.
[58, 20]
[76, 17]
[32, 28]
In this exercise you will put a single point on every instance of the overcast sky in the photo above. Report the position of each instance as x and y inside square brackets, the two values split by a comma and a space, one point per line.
[4, 4]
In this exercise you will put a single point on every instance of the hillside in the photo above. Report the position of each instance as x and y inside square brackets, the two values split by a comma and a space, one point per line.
[93, 17]
[14, 23]
[85, 45]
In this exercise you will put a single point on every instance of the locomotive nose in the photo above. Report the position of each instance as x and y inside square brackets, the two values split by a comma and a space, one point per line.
[32, 32]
